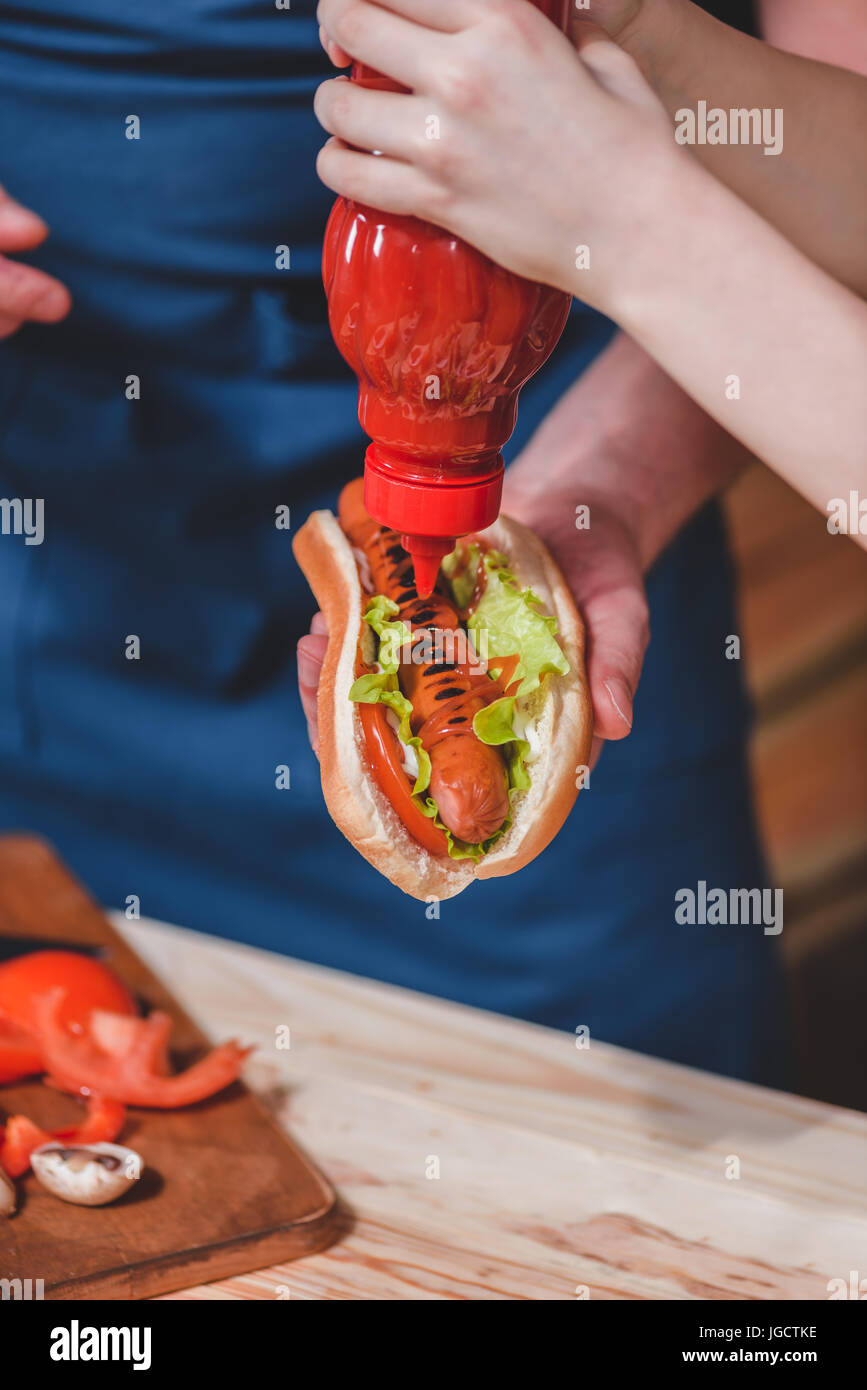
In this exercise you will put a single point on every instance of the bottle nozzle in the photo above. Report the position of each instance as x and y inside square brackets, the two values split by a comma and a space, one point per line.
[428, 553]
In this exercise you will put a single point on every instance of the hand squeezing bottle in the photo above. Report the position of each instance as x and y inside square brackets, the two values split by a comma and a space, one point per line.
[442, 340]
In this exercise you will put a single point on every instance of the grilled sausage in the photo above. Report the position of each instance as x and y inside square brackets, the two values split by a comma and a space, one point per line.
[468, 777]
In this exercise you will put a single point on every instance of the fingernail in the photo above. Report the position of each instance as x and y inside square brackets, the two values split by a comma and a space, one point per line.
[620, 698]
[308, 668]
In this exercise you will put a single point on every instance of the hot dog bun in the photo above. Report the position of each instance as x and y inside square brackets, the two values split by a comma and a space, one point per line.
[560, 729]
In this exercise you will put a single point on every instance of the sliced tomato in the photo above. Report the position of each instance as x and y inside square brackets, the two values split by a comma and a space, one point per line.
[384, 754]
[88, 984]
[134, 1076]
[103, 1122]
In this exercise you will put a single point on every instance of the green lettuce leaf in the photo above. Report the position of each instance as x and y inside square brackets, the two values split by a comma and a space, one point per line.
[461, 569]
[510, 616]
[495, 725]
[381, 614]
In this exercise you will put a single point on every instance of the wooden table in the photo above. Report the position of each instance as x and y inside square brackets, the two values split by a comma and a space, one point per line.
[481, 1158]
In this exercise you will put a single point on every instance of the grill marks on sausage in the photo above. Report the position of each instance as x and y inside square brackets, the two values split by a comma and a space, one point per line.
[468, 778]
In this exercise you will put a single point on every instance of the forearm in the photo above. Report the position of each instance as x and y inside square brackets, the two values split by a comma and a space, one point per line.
[628, 436]
[767, 343]
[811, 190]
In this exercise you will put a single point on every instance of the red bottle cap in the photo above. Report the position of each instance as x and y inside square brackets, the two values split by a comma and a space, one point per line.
[430, 505]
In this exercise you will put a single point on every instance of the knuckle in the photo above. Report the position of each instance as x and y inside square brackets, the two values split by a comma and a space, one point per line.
[636, 609]
[353, 184]
[338, 106]
[326, 165]
[460, 84]
[354, 189]
[514, 25]
[633, 602]
[506, 14]
[437, 203]
[445, 160]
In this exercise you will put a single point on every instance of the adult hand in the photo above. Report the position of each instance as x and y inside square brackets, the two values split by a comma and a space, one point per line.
[602, 566]
[25, 293]
[617, 17]
[311, 654]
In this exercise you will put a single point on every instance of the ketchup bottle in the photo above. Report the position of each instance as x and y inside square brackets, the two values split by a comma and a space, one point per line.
[441, 340]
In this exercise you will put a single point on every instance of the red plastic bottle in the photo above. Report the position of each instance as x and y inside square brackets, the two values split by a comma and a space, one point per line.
[441, 340]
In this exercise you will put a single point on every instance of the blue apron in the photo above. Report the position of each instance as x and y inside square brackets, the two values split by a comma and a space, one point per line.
[156, 776]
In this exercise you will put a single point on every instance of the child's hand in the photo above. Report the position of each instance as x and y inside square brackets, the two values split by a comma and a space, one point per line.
[507, 137]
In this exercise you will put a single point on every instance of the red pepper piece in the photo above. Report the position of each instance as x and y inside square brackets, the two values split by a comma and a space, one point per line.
[103, 1122]
[136, 1075]
[21, 1138]
[20, 1055]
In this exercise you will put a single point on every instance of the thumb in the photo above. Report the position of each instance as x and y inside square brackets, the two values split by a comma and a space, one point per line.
[617, 638]
[602, 567]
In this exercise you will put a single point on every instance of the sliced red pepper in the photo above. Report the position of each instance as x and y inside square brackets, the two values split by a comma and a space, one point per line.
[21, 1138]
[135, 1076]
[103, 1122]
[20, 1054]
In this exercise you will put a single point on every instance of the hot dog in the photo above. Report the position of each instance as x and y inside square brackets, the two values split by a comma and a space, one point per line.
[503, 753]
[468, 778]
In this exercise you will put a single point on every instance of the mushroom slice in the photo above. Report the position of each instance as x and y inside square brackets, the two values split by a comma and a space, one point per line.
[8, 1195]
[87, 1174]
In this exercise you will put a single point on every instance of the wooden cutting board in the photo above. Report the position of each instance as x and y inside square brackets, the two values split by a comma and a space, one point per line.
[224, 1190]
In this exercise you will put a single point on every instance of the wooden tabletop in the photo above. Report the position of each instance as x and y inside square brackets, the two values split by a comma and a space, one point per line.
[482, 1158]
